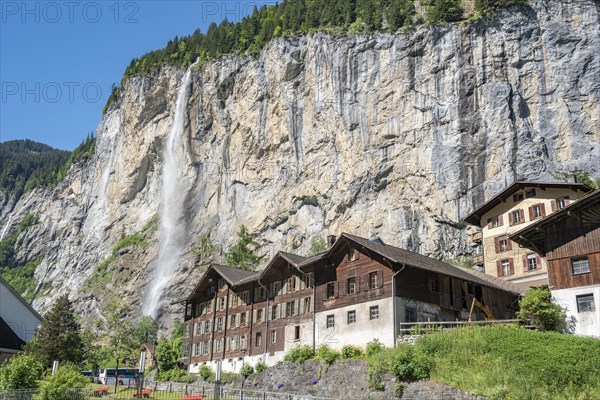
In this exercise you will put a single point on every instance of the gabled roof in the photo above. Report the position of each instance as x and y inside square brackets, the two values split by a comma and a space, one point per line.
[21, 299]
[586, 211]
[8, 338]
[401, 256]
[294, 259]
[233, 276]
[475, 217]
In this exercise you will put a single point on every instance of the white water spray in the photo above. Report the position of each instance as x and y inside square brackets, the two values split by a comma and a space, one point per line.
[6, 226]
[172, 231]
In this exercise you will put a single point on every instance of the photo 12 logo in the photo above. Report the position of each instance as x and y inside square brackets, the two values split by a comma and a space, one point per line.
[53, 12]
[50, 92]
[230, 10]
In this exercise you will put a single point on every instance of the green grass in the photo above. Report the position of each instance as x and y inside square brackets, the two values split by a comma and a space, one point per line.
[514, 363]
[21, 278]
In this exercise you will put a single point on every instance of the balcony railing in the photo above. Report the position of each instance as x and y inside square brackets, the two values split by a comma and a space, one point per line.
[477, 236]
[478, 260]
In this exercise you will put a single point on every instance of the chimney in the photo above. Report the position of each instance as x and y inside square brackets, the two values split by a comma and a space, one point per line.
[330, 240]
[572, 178]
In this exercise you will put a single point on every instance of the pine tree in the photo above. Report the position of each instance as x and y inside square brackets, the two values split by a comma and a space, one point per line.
[241, 254]
[59, 336]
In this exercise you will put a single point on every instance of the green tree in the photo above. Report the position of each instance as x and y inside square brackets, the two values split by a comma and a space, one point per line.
[489, 6]
[22, 371]
[168, 351]
[537, 307]
[317, 245]
[241, 254]
[59, 336]
[441, 11]
[120, 335]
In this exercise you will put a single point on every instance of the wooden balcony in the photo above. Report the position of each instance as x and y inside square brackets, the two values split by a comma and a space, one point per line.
[477, 237]
[478, 260]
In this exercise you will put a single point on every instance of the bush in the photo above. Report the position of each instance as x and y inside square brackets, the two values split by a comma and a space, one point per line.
[206, 373]
[350, 351]
[246, 370]
[374, 347]
[537, 307]
[299, 354]
[56, 387]
[410, 364]
[22, 371]
[326, 354]
[175, 375]
[442, 11]
[488, 6]
[260, 367]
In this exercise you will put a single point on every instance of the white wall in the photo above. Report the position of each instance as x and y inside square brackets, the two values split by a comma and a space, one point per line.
[588, 323]
[16, 314]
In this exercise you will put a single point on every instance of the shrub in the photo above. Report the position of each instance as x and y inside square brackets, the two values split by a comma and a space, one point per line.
[537, 307]
[246, 370]
[22, 371]
[350, 351]
[175, 375]
[205, 372]
[399, 389]
[409, 364]
[488, 6]
[374, 347]
[260, 367]
[442, 11]
[326, 354]
[299, 354]
[56, 387]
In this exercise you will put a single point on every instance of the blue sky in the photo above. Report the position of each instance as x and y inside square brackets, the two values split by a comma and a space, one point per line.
[58, 59]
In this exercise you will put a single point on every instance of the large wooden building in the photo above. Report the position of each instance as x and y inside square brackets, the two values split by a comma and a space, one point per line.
[517, 206]
[356, 291]
[570, 242]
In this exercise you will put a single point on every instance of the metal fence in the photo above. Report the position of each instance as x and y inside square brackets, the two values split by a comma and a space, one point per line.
[189, 393]
[421, 328]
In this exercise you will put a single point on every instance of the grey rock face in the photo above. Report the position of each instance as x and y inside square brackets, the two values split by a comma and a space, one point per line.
[392, 135]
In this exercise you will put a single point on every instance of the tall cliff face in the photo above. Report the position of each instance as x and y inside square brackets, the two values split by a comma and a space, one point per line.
[392, 135]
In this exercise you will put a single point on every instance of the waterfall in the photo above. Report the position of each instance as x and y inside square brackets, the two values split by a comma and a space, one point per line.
[6, 226]
[172, 228]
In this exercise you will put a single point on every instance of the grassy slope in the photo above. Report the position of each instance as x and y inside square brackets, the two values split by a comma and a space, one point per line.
[514, 363]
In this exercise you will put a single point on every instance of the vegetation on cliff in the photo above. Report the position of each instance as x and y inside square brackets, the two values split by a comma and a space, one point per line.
[26, 165]
[300, 17]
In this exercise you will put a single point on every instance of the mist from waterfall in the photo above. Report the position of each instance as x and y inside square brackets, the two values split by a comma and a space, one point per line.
[172, 227]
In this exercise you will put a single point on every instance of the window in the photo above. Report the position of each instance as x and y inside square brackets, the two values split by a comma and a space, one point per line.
[219, 324]
[516, 217]
[495, 222]
[503, 241]
[274, 311]
[530, 193]
[291, 308]
[221, 304]
[243, 342]
[351, 285]
[199, 328]
[352, 255]
[330, 321]
[411, 315]
[186, 331]
[273, 336]
[196, 349]
[291, 284]
[432, 284]
[532, 263]
[537, 211]
[186, 350]
[257, 339]
[517, 197]
[297, 332]
[243, 319]
[276, 288]
[306, 304]
[561, 203]
[308, 279]
[580, 266]
[259, 315]
[374, 279]
[331, 291]
[374, 312]
[585, 302]
[506, 267]
[351, 317]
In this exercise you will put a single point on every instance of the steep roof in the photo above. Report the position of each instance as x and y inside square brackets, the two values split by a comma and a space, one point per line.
[233, 275]
[21, 299]
[8, 338]
[475, 217]
[401, 256]
[586, 211]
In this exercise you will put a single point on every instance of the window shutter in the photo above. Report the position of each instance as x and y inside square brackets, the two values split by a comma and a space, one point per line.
[509, 247]
[500, 220]
[296, 307]
[522, 215]
[284, 310]
[357, 283]
[543, 210]
[530, 213]
[253, 317]
[345, 287]
[324, 292]
[335, 290]
[279, 312]
[511, 264]
[510, 218]
[367, 282]
[489, 225]
[497, 244]
[499, 267]
[538, 261]
[553, 205]
[238, 318]
[380, 279]
[270, 314]
[525, 269]
[301, 305]
[229, 321]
